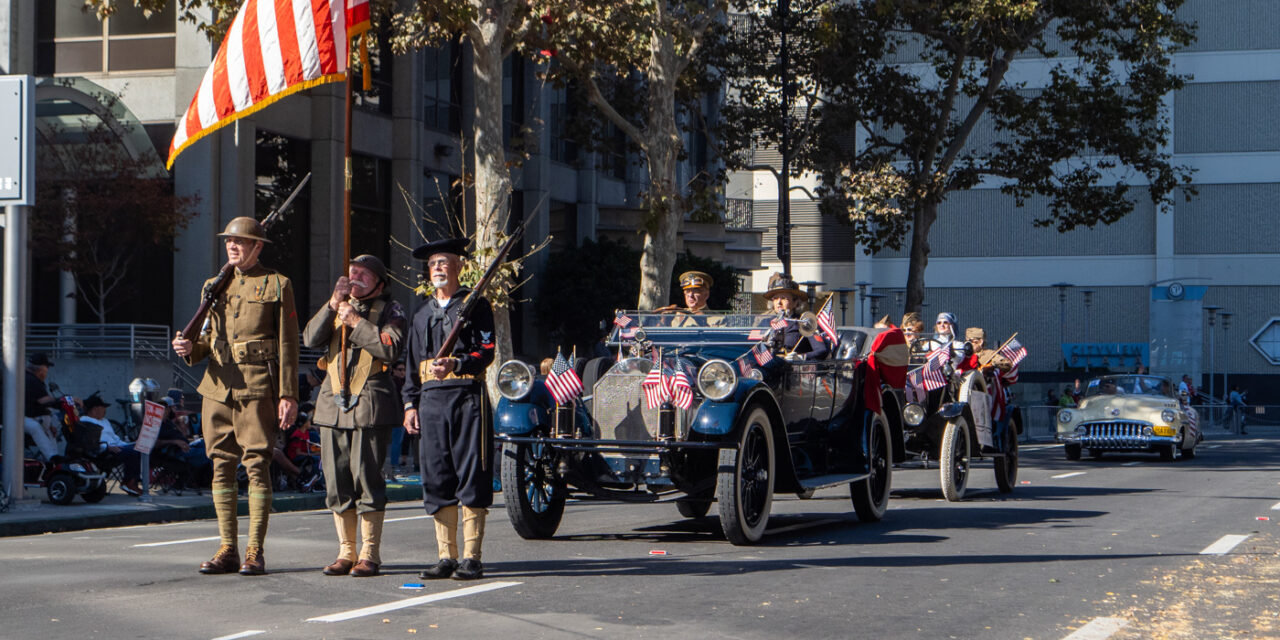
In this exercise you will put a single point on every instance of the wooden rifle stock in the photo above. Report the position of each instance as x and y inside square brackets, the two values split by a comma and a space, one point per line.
[468, 305]
[220, 282]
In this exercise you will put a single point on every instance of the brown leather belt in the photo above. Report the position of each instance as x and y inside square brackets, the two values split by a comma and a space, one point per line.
[424, 373]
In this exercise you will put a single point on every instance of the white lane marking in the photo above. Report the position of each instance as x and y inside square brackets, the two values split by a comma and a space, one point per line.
[169, 542]
[1098, 629]
[242, 634]
[1224, 545]
[411, 602]
[802, 525]
[422, 517]
[1132, 464]
[1275, 507]
[1069, 475]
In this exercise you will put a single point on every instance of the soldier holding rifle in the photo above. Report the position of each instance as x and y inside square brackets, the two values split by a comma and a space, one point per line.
[250, 387]
[444, 399]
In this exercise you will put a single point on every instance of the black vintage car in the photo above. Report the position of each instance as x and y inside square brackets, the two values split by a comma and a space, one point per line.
[755, 424]
[953, 425]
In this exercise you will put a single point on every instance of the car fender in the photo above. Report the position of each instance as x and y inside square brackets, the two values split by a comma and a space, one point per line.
[720, 420]
[524, 416]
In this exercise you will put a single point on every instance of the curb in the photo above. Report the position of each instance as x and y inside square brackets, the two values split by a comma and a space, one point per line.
[156, 514]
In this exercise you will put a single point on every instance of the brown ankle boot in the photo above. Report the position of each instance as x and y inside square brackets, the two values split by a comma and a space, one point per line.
[226, 560]
[366, 568]
[254, 564]
[340, 567]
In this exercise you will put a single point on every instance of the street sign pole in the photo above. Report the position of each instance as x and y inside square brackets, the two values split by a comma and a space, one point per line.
[17, 193]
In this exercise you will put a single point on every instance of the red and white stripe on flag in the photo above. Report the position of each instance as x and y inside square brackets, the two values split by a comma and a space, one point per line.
[655, 387]
[827, 322]
[562, 381]
[681, 391]
[274, 48]
[357, 17]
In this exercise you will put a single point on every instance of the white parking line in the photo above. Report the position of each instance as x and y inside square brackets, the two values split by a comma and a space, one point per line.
[169, 542]
[1275, 507]
[1068, 475]
[1224, 545]
[242, 634]
[422, 517]
[411, 602]
[1098, 629]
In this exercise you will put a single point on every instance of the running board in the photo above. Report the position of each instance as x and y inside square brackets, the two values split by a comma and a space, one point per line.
[822, 482]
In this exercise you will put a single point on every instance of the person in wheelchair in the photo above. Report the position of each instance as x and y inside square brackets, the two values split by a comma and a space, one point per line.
[113, 451]
[786, 298]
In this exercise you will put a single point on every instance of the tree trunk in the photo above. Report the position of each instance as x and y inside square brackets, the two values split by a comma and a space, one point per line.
[492, 177]
[925, 214]
[662, 148]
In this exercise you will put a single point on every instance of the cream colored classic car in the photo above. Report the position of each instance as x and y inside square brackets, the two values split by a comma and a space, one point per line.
[1130, 413]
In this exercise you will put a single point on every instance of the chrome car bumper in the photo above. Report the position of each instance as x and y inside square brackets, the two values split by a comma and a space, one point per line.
[1116, 435]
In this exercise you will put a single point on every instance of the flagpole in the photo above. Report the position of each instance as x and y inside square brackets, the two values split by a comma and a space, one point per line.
[1001, 347]
[344, 375]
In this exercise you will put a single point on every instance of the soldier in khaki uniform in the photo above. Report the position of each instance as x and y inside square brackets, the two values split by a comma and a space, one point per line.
[250, 388]
[356, 429]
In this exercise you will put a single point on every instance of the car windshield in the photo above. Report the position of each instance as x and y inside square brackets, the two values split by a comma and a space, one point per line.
[1130, 385]
[713, 328]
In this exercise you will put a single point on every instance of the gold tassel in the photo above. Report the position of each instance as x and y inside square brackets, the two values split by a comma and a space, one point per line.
[365, 71]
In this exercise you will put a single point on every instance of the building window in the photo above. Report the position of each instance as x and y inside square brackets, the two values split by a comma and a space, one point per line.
[381, 60]
[563, 148]
[370, 207]
[442, 89]
[70, 40]
[279, 164]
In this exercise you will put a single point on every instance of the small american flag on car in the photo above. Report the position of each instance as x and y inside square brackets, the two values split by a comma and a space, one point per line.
[744, 365]
[761, 353]
[681, 391]
[655, 386]
[562, 381]
[827, 322]
[778, 323]
[622, 320]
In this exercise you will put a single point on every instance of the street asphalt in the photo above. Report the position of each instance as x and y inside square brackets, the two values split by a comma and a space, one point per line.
[1079, 550]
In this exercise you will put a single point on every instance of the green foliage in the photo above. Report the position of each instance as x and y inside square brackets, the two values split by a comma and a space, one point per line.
[582, 287]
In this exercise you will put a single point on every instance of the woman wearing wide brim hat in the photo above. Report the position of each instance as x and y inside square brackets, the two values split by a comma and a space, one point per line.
[782, 284]
[785, 298]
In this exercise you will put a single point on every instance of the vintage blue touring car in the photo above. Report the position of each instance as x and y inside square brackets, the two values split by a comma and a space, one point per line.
[739, 422]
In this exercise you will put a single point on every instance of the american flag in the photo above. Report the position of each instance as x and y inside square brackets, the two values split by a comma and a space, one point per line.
[929, 376]
[681, 391]
[744, 365]
[778, 323]
[1015, 352]
[622, 320]
[827, 322]
[761, 353]
[655, 387]
[563, 381]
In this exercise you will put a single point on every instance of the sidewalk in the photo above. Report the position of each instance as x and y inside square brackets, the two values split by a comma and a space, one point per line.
[120, 510]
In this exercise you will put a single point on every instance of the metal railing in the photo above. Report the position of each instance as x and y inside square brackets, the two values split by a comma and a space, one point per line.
[133, 341]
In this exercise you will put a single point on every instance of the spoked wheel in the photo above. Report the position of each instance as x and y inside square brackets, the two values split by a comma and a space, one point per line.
[534, 497]
[1007, 466]
[1072, 451]
[871, 495]
[744, 484]
[954, 461]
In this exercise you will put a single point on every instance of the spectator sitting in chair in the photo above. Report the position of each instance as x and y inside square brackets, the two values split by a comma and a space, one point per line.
[113, 451]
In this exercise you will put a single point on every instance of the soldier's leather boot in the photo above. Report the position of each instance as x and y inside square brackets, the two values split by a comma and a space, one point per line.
[371, 537]
[442, 569]
[254, 564]
[226, 560]
[469, 569]
[346, 524]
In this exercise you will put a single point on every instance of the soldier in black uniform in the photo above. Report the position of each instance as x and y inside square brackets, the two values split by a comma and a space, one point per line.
[444, 399]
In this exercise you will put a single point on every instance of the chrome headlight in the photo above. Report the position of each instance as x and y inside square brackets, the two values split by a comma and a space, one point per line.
[1065, 416]
[515, 379]
[716, 380]
[1168, 416]
[913, 414]
[1148, 431]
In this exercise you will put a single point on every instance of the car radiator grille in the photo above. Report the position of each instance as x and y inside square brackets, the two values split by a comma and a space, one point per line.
[620, 412]
[1115, 435]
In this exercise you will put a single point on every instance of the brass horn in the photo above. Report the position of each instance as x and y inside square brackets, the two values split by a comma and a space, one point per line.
[808, 323]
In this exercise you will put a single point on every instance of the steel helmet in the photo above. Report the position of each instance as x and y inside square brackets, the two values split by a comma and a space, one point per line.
[245, 227]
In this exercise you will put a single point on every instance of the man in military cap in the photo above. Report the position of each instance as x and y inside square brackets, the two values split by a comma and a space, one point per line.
[357, 409]
[444, 399]
[786, 298]
[250, 388]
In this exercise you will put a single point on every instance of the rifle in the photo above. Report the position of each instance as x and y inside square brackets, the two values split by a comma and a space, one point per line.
[220, 282]
[468, 305]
